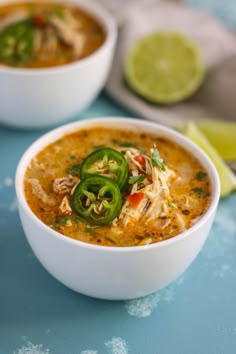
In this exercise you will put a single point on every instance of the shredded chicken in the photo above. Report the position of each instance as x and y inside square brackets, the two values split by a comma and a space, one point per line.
[64, 207]
[185, 202]
[154, 203]
[38, 40]
[74, 23]
[69, 223]
[69, 35]
[50, 41]
[57, 148]
[63, 185]
[67, 29]
[45, 42]
[180, 221]
[134, 165]
[40, 193]
[35, 164]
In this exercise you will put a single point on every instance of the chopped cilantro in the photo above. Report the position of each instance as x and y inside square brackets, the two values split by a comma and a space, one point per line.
[91, 229]
[74, 170]
[54, 226]
[76, 219]
[59, 12]
[157, 160]
[148, 235]
[200, 175]
[137, 179]
[62, 220]
[199, 192]
[171, 205]
[126, 144]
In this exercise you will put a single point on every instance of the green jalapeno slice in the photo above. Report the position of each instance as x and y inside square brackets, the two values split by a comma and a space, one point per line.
[107, 162]
[97, 200]
[16, 42]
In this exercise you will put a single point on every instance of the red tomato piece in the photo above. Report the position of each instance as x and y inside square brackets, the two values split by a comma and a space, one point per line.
[39, 20]
[135, 198]
[140, 159]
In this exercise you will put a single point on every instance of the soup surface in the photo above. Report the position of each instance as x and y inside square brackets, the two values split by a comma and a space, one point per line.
[116, 188]
[45, 34]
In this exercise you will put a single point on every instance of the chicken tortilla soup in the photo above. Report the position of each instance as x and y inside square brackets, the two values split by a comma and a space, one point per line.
[46, 34]
[117, 188]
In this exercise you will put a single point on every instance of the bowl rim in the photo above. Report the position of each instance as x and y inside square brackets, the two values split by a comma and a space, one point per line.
[96, 10]
[141, 124]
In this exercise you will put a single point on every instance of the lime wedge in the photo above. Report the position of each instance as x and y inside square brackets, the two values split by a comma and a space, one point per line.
[222, 136]
[164, 67]
[227, 178]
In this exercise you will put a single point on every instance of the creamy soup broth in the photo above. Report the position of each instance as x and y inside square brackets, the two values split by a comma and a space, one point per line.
[183, 196]
[46, 34]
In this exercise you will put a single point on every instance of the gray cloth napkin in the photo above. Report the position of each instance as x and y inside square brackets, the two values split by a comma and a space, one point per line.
[217, 97]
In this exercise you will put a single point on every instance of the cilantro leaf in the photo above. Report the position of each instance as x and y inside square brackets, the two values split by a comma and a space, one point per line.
[62, 220]
[171, 205]
[199, 192]
[91, 229]
[137, 179]
[74, 170]
[157, 160]
[124, 144]
[200, 175]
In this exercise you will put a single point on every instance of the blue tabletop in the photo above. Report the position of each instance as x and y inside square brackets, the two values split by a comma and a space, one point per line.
[38, 315]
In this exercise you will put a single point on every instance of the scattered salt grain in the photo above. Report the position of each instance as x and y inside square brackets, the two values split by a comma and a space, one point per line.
[221, 272]
[30, 348]
[144, 306]
[8, 182]
[116, 346]
[13, 205]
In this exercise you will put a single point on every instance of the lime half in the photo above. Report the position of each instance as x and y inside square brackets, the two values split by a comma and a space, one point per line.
[227, 178]
[164, 67]
[222, 135]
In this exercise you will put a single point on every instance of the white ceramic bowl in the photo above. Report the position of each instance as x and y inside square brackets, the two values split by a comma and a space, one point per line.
[36, 98]
[112, 272]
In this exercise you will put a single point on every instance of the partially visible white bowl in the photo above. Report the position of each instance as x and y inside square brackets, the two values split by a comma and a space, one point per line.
[111, 272]
[37, 98]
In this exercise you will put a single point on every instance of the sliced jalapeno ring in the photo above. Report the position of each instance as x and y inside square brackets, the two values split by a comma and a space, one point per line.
[97, 200]
[107, 162]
